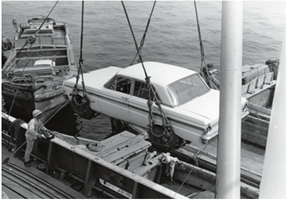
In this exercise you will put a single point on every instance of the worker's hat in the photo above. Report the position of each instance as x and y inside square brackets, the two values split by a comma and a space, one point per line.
[36, 113]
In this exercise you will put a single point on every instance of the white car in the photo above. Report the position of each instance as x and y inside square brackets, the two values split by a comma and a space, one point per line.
[191, 107]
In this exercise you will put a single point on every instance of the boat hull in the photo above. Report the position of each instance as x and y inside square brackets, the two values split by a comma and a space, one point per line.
[47, 97]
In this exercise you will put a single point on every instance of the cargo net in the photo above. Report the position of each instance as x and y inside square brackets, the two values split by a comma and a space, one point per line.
[81, 105]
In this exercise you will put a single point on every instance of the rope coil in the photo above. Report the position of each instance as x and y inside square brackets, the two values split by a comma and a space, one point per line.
[95, 146]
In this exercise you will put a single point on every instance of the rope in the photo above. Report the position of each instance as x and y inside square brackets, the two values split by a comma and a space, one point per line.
[147, 79]
[211, 81]
[46, 18]
[165, 122]
[81, 105]
[95, 146]
[203, 63]
[81, 59]
[195, 158]
[144, 35]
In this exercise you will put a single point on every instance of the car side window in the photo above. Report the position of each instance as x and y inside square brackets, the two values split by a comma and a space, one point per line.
[123, 85]
[141, 90]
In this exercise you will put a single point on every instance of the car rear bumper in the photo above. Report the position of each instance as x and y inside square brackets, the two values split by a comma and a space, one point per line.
[208, 137]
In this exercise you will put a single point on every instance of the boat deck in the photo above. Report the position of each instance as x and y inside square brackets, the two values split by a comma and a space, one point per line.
[20, 182]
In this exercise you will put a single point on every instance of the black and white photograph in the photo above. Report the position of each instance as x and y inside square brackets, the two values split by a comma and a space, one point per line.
[143, 99]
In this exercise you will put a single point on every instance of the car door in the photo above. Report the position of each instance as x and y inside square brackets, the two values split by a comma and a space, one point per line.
[115, 98]
[138, 107]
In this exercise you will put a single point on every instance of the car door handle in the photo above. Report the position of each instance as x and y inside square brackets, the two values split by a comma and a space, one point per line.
[125, 98]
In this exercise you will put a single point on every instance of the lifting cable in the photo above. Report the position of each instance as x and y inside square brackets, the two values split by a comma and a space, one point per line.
[209, 79]
[195, 157]
[203, 63]
[144, 35]
[81, 105]
[165, 122]
[30, 40]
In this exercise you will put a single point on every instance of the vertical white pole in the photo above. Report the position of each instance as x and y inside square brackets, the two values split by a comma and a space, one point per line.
[229, 137]
[273, 183]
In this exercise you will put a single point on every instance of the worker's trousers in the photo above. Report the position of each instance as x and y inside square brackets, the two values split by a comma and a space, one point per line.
[29, 148]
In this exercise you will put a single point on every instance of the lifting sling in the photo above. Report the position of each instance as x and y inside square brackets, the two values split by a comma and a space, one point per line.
[81, 104]
[211, 81]
[159, 135]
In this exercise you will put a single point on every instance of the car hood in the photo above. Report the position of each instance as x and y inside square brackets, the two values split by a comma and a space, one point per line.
[206, 106]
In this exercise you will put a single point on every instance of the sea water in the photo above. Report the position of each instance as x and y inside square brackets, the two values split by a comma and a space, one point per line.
[172, 38]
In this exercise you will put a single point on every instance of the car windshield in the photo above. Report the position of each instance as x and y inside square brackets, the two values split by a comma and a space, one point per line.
[186, 89]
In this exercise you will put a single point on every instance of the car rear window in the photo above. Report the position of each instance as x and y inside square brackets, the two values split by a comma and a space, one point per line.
[186, 89]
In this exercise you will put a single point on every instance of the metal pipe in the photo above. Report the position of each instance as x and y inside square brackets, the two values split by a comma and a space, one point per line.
[229, 137]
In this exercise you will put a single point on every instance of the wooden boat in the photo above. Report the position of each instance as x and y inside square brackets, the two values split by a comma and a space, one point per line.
[258, 85]
[119, 166]
[40, 59]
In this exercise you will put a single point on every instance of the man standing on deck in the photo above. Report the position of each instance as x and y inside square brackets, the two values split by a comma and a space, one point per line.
[33, 131]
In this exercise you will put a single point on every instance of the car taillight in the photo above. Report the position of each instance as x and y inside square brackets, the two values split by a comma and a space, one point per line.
[208, 129]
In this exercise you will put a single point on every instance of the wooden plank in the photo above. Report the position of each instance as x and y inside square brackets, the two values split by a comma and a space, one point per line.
[260, 81]
[262, 97]
[112, 145]
[251, 87]
[41, 175]
[11, 193]
[255, 131]
[20, 187]
[112, 142]
[268, 78]
[258, 108]
[130, 150]
[244, 89]
[33, 185]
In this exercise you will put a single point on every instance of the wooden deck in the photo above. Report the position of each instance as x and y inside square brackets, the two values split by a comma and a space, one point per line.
[20, 182]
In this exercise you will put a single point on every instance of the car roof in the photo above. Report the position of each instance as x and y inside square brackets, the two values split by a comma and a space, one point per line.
[160, 73]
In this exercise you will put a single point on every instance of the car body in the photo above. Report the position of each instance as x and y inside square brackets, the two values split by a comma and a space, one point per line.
[191, 107]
